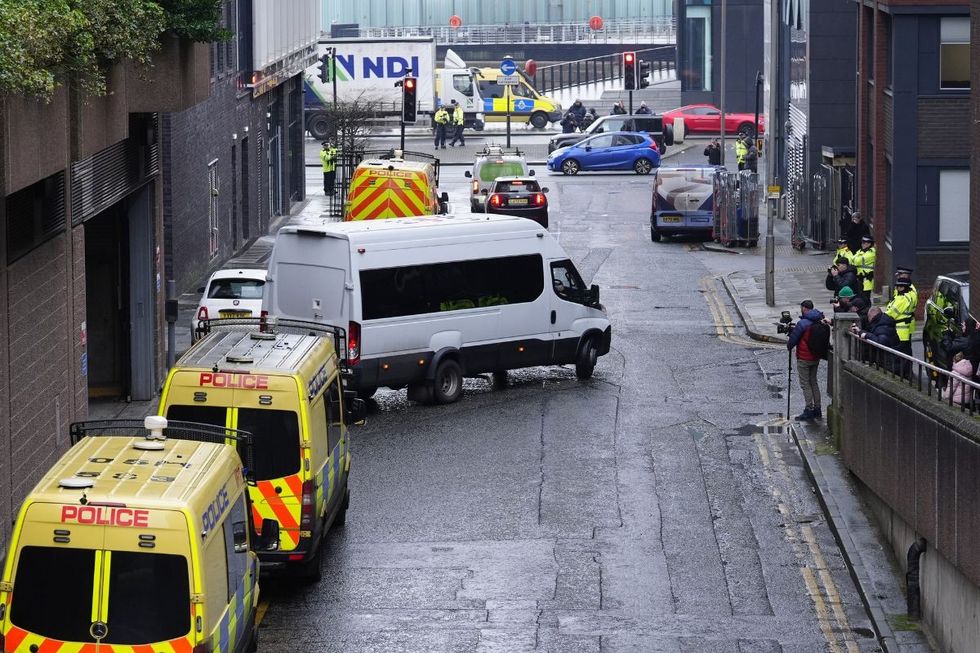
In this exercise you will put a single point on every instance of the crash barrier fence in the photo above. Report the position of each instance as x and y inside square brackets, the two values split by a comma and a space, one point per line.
[738, 196]
[818, 205]
[941, 385]
[604, 68]
[661, 29]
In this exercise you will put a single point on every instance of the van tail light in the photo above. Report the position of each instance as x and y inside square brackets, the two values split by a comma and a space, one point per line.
[307, 506]
[264, 321]
[200, 648]
[539, 199]
[496, 200]
[354, 344]
[476, 187]
[202, 313]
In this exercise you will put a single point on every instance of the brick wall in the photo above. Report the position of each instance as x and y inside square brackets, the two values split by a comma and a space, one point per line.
[942, 123]
[975, 161]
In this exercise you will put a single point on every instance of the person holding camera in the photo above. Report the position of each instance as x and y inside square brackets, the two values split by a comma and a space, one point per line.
[842, 276]
[811, 339]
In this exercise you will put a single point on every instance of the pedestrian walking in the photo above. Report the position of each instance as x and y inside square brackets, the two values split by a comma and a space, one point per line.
[442, 120]
[713, 152]
[741, 150]
[643, 109]
[842, 276]
[752, 158]
[618, 109]
[811, 339]
[864, 266]
[328, 158]
[856, 230]
[458, 122]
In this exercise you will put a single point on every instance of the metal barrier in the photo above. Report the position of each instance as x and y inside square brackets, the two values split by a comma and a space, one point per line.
[604, 68]
[736, 208]
[662, 29]
[924, 377]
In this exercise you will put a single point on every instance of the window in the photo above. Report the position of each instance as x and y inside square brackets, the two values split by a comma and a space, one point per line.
[213, 209]
[41, 570]
[610, 126]
[275, 441]
[491, 89]
[235, 531]
[213, 415]
[517, 187]
[463, 84]
[524, 91]
[236, 289]
[626, 140]
[490, 171]
[138, 616]
[334, 419]
[596, 142]
[954, 205]
[954, 53]
[419, 289]
[34, 215]
[567, 283]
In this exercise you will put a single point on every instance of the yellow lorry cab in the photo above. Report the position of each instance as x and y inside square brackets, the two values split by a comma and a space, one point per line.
[275, 380]
[525, 101]
[135, 541]
[394, 188]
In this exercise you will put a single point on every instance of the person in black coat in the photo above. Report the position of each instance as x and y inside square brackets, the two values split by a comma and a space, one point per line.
[713, 152]
[842, 275]
[578, 110]
[880, 329]
[856, 230]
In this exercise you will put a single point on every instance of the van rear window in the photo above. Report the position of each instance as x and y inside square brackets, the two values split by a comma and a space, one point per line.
[490, 171]
[214, 415]
[275, 441]
[435, 287]
[149, 598]
[54, 581]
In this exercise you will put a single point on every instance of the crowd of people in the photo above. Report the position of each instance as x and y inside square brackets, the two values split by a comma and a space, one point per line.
[746, 153]
[577, 118]
[851, 279]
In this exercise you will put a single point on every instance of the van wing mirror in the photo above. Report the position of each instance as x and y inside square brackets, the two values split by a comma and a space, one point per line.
[544, 189]
[269, 537]
[444, 197]
[530, 173]
[594, 294]
[467, 174]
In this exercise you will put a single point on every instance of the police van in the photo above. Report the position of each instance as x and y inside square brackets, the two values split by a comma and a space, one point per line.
[393, 187]
[280, 381]
[430, 300]
[523, 100]
[137, 539]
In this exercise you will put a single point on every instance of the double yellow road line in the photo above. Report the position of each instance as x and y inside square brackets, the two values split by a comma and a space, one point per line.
[726, 330]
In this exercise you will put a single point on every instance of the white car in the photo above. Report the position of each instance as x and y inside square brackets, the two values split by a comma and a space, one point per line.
[230, 293]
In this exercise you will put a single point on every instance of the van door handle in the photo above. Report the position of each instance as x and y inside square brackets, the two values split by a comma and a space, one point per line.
[554, 317]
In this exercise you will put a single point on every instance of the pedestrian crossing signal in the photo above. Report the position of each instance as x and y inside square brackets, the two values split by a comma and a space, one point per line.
[644, 79]
[629, 71]
[409, 102]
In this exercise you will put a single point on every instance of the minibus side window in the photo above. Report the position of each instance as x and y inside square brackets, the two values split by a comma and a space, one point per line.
[567, 283]
[149, 598]
[52, 581]
[334, 411]
[275, 441]
[236, 548]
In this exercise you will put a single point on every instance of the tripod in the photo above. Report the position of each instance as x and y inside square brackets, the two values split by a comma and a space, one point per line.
[789, 380]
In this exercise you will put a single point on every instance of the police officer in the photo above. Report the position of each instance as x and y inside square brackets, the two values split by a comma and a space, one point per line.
[864, 263]
[441, 119]
[843, 251]
[328, 157]
[902, 309]
[458, 120]
[741, 151]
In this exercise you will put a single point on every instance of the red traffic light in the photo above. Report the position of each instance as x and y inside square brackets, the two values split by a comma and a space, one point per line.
[409, 83]
[628, 57]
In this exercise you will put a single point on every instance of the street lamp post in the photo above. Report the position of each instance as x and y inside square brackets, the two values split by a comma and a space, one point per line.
[721, 96]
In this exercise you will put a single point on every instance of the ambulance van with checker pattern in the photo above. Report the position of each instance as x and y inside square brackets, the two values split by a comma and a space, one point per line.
[283, 385]
[136, 541]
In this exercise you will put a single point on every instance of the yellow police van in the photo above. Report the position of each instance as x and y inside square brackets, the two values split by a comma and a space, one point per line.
[135, 541]
[525, 101]
[393, 187]
[279, 380]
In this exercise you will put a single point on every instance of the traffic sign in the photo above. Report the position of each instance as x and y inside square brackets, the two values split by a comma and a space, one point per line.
[508, 80]
[508, 67]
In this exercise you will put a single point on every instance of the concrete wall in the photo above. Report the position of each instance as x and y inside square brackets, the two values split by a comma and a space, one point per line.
[919, 463]
[975, 159]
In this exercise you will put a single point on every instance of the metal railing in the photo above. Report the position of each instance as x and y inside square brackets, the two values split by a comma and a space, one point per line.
[604, 68]
[661, 29]
[945, 386]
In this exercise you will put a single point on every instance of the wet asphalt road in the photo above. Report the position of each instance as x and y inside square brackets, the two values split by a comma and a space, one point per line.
[644, 510]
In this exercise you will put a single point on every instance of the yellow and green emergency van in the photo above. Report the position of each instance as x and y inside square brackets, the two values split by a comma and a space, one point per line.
[525, 102]
[136, 541]
[281, 381]
[394, 188]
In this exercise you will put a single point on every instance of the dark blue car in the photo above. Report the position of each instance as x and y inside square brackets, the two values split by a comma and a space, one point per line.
[616, 151]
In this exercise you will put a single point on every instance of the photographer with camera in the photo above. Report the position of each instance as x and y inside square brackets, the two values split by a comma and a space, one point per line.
[842, 275]
[811, 339]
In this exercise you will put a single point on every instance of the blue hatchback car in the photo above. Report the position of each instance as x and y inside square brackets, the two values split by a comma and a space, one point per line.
[615, 151]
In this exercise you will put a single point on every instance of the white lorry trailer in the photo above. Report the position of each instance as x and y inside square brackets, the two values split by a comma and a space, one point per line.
[366, 71]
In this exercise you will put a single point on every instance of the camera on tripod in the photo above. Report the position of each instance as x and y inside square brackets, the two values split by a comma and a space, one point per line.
[785, 324]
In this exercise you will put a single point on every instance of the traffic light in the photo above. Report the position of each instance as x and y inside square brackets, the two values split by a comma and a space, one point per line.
[644, 80]
[409, 105]
[629, 71]
[324, 69]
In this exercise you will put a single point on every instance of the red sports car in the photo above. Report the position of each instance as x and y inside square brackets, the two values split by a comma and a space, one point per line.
[706, 119]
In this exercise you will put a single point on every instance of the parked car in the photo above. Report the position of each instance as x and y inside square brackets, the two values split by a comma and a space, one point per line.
[706, 119]
[492, 162]
[230, 293]
[947, 308]
[652, 125]
[522, 197]
[615, 151]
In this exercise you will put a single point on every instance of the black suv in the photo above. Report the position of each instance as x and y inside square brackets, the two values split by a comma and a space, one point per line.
[647, 124]
[946, 310]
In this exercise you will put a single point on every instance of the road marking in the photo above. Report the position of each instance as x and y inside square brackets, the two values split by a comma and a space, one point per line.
[725, 328]
[260, 612]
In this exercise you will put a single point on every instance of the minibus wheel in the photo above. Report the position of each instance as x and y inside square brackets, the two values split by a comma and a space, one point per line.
[447, 385]
[341, 517]
[312, 571]
[585, 362]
